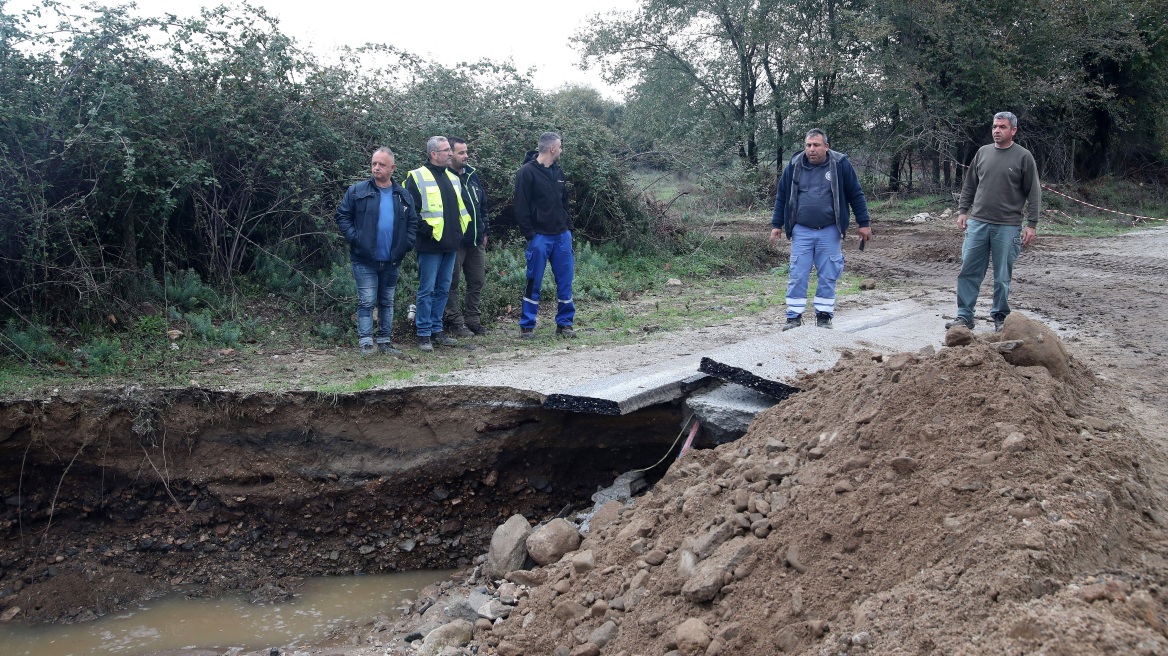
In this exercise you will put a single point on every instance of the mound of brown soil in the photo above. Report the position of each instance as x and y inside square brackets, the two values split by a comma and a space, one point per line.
[916, 504]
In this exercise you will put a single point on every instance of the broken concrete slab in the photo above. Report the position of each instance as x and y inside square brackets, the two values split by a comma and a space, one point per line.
[633, 390]
[725, 411]
[770, 364]
[767, 364]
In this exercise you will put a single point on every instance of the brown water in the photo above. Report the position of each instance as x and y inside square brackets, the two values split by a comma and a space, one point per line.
[321, 606]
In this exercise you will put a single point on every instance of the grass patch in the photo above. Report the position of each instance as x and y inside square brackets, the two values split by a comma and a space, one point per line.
[897, 208]
[1071, 218]
[366, 382]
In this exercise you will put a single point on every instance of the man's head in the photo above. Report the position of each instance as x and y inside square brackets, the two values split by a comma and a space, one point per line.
[815, 146]
[1005, 127]
[439, 150]
[458, 154]
[550, 147]
[382, 165]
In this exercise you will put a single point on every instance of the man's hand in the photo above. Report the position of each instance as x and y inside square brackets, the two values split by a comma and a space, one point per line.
[484, 241]
[961, 220]
[865, 233]
[776, 234]
[1028, 236]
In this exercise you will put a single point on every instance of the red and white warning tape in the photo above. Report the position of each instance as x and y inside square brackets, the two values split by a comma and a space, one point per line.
[1137, 217]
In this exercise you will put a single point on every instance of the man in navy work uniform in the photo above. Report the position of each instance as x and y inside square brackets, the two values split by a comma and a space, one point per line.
[378, 219]
[443, 220]
[472, 252]
[811, 209]
[541, 210]
[1002, 180]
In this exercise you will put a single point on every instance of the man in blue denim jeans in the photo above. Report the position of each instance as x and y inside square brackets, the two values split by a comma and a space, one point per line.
[443, 219]
[378, 219]
[1001, 182]
[814, 195]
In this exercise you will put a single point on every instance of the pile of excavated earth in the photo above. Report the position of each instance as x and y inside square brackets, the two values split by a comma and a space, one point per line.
[988, 498]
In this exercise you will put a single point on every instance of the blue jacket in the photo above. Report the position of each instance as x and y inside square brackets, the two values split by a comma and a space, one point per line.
[357, 218]
[475, 200]
[843, 177]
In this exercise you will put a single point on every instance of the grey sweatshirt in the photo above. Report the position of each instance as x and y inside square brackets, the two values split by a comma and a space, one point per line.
[999, 183]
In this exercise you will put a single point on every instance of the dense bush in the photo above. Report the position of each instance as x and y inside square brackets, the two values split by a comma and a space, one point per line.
[182, 161]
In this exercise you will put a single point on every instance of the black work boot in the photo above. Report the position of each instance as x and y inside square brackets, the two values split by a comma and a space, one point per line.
[793, 322]
[960, 321]
[823, 320]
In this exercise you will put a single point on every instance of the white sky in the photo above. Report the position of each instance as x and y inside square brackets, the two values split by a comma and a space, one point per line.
[532, 33]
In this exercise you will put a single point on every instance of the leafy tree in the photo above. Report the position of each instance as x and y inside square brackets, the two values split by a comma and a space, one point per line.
[132, 149]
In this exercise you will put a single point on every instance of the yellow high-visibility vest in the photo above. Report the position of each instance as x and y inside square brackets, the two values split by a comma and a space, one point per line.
[431, 210]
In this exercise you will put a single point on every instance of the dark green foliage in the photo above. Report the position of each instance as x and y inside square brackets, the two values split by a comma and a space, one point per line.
[903, 83]
[212, 153]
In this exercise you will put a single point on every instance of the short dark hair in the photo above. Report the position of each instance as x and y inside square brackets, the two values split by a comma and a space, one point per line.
[454, 141]
[546, 140]
[817, 132]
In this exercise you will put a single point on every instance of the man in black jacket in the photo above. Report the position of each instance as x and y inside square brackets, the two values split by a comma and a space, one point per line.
[541, 210]
[378, 219]
[472, 252]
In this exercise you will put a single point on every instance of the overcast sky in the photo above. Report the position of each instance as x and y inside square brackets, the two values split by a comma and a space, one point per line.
[533, 33]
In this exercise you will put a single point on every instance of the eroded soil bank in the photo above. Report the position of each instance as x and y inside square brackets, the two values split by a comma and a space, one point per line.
[110, 498]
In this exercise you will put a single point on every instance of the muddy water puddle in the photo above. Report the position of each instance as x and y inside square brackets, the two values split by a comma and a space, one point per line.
[320, 607]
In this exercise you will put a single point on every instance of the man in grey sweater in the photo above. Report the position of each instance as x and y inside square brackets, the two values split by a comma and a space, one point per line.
[1002, 182]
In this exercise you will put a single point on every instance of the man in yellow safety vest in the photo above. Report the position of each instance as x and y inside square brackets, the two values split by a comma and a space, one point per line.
[443, 219]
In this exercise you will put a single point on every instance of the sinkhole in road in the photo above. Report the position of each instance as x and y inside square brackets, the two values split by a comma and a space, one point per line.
[111, 498]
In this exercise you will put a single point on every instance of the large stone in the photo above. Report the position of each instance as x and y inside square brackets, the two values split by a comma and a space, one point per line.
[508, 547]
[604, 634]
[465, 607]
[552, 540]
[528, 577]
[1040, 346]
[710, 575]
[568, 610]
[639, 527]
[693, 637]
[586, 649]
[605, 515]
[704, 545]
[493, 610]
[584, 562]
[959, 335]
[454, 634]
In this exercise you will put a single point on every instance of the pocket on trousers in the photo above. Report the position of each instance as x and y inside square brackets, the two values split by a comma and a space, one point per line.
[835, 266]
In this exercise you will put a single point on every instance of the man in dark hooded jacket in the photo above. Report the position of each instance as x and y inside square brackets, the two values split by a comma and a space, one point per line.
[541, 211]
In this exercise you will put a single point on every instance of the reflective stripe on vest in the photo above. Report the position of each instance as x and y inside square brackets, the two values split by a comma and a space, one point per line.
[431, 210]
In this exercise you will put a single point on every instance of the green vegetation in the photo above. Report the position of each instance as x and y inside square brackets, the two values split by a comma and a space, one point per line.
[167, 186]
[907, 86]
